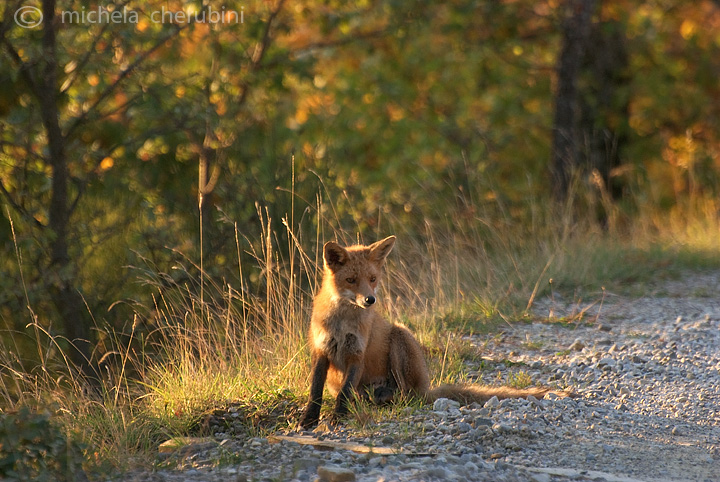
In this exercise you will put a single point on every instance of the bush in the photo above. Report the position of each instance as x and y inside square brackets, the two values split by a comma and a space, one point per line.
[34, 447]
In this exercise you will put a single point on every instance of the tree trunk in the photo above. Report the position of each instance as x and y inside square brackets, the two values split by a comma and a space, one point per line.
[566, 139]
[604, 104]
[66, 297]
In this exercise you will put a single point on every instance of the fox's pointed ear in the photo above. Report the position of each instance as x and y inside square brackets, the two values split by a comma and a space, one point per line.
[334, 255]
[380, 250]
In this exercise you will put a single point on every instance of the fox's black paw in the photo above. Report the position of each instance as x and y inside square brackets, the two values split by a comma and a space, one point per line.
[309, 419]
[383, 395]
[335, 420]
[308, 423]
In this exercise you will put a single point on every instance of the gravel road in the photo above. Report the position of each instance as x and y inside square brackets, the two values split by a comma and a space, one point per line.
[647, 372]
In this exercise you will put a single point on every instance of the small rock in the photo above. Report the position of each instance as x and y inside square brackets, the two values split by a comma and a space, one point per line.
[501, 428]
[540, 477]
[678, 431]
[333, 473]
[377, 461]
[445, 404]
[577, 345]
[606, 363]
[463, 427]
[481, 432]
[322, 427]
[437, 472]
[186, 445]
[481, 421]
[305, 463]
[492, 403]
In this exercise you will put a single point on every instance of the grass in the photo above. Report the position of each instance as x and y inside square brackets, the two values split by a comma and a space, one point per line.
[365, 416]
[517, 380]
[203, 344]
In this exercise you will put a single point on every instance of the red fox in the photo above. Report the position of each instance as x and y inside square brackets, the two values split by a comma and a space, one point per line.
[357, 351]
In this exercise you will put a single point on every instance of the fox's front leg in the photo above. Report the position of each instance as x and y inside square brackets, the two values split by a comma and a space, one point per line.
[319, 370]
[353, 352]
[352, 374]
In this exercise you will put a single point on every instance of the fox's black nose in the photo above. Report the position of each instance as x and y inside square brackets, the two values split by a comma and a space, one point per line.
[369, 300]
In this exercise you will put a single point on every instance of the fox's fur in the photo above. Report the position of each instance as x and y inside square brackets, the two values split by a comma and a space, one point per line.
[357, 351]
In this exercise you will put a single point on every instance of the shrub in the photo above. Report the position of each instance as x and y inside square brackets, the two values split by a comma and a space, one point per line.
[34, 447]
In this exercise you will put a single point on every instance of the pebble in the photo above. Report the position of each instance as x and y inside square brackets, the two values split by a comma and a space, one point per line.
[333, 473]
[577, 345]
[444, 404]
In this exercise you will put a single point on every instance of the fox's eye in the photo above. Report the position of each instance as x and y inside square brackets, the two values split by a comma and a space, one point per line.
[350, 280]
[372, 279]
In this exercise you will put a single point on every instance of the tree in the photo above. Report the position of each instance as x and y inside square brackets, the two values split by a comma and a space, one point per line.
[566, 136]
[49, 143]
[604, 103]
[86, 131]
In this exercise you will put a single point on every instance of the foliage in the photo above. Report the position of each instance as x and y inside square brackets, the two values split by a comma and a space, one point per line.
[35, 447]
[376, 103]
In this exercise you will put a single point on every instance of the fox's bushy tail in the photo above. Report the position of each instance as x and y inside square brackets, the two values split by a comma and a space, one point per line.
[469, 393]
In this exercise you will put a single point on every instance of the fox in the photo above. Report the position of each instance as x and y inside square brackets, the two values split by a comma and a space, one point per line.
[356, 351]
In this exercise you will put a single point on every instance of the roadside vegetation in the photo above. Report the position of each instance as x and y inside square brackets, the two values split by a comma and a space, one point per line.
[203, 344]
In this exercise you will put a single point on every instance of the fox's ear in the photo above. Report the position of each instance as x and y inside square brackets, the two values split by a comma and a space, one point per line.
[334, 255]
[380, 250]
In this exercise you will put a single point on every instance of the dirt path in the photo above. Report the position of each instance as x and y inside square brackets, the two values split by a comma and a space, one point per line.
[647, 371]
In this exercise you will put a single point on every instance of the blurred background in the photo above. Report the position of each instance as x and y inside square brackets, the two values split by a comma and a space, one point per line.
[206, 157]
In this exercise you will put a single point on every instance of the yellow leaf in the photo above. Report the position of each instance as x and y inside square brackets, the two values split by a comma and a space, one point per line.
[688, 29]
[395, 112]
[142, 25]
[106, 163]
[301, 116]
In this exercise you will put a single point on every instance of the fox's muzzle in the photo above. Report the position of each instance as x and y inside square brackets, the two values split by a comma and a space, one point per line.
[364, 301]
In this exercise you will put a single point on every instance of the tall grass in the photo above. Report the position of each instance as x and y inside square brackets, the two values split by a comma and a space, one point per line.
[197, 348]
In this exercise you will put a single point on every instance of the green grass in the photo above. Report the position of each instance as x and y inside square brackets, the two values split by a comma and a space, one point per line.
[193, 351]
[517, 380]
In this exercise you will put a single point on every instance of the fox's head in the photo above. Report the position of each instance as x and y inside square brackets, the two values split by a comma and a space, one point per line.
[354, 272]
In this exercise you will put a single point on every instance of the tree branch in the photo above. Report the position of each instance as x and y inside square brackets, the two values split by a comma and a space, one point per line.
[259, 54]
[18, 208]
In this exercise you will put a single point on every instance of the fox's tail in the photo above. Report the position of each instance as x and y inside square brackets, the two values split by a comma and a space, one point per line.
[469, 393]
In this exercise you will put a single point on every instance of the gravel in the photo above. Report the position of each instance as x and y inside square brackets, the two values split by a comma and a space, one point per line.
[647, 372]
